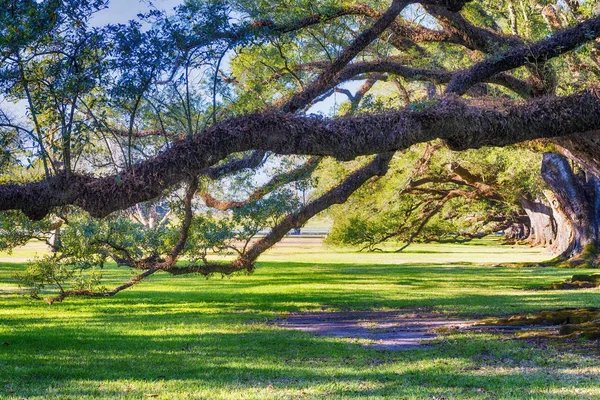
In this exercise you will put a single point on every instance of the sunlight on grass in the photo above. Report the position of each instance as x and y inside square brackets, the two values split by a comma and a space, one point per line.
[192, 338]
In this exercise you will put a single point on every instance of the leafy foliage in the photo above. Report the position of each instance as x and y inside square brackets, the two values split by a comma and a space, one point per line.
[396, 207]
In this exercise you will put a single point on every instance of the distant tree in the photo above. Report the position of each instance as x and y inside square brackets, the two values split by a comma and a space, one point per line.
[434, 194]
[123, 119]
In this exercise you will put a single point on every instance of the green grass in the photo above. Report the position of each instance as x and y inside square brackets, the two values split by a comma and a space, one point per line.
[191, 338]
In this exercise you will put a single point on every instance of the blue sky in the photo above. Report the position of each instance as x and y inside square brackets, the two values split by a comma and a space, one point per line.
[120, 11]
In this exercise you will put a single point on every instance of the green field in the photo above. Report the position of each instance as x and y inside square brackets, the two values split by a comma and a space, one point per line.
[192, 338]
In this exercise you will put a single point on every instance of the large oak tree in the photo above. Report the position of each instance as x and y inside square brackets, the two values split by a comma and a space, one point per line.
[122, 117]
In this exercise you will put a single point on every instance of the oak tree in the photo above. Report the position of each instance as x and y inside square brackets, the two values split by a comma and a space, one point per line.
[130, 130]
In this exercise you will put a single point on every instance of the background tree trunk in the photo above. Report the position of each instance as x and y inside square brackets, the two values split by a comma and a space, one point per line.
[542, 225]
[564, 233]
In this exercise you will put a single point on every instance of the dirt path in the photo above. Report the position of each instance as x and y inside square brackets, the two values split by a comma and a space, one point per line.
[387, 330]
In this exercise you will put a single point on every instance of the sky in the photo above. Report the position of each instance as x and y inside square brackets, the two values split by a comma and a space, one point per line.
[121, 11]
[118, 12]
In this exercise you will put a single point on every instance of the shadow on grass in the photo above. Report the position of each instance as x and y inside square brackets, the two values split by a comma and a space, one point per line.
[287, 287]
[187, 334]
[77, 361]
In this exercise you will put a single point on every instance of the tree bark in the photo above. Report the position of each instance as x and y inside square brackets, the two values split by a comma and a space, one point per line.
[541, 222]
[564, 233]
[577, 198]
[454, 120]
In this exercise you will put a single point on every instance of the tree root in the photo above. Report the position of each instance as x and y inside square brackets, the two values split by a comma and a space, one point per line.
[588, 258]
[581, 322]
[576, 282]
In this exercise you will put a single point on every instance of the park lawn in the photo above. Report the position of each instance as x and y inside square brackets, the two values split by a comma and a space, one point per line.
[192, 338]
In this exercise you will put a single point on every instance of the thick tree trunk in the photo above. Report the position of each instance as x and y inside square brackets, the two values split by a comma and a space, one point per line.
[564, 234]
[577, 198]
[517, 231]
[542, 225]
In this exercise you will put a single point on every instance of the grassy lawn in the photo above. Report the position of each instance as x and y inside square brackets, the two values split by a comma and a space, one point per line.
[192, 338]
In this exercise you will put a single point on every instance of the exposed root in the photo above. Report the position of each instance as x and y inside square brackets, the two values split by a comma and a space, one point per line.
[576, 282]
[584, 322]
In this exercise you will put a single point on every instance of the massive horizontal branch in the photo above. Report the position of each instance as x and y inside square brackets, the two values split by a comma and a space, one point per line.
[462, 124]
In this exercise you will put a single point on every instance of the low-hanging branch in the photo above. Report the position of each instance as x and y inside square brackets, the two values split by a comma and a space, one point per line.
[462, 124]
[338, 195]
[433, 193]
[245, 262]
[90, 293]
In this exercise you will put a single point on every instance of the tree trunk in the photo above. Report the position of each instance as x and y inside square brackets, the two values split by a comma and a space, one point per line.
[542, 225]
[517, 231]
[576, 197]
[564, 234]
[53, 240]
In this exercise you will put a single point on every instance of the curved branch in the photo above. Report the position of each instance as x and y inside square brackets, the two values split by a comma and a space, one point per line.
[365, 38]
[557, 44]
[473, 37]
[89, 293]
[338, 195]
[424, 218]
[184, 230]
[522, 88]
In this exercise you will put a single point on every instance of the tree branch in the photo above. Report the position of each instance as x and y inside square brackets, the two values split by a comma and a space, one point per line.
[337, 195]
[365, 38]
[461, 123]
[522, 88]
[473, 37]
[294, 175]
[557, 44]
[89, 293]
